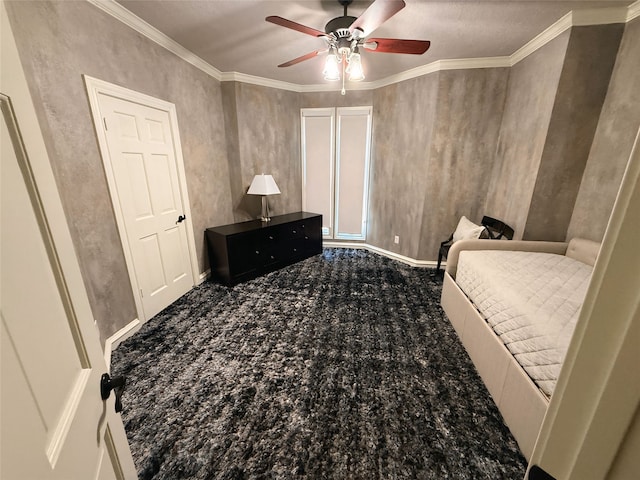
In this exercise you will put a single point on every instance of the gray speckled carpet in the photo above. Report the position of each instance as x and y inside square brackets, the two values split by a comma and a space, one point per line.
[342, 366]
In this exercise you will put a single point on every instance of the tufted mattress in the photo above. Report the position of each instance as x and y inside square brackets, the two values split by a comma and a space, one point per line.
[531, 300]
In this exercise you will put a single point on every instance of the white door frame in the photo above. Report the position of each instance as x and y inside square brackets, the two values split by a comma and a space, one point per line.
[95, 87]
[598, 392]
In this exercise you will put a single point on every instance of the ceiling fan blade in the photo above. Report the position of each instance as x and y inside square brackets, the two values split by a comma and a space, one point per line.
[302, 58]
[395, 45]
[283, 22]
[378, 12]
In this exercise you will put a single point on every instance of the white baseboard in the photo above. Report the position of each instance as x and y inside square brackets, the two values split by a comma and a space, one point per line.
[204, 276]
[372, 248]
[114, 340]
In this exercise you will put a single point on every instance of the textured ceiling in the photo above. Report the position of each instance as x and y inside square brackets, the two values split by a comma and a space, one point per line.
[234, 37]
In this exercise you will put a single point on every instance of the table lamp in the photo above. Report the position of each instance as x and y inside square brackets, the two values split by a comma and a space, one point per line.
[264, 185]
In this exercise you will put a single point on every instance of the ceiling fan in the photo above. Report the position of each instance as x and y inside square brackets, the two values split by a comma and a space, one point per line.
[346, 34]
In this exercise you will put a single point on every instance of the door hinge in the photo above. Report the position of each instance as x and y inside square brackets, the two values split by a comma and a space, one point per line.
[104, 120]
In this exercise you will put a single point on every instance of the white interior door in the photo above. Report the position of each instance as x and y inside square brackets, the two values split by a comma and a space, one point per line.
[142, 157]
[318, 147]
[54, 423]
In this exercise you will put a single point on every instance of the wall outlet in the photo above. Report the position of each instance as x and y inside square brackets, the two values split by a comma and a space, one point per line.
[396, 239]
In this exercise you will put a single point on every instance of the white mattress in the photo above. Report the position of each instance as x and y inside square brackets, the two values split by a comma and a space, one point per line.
[531, 300]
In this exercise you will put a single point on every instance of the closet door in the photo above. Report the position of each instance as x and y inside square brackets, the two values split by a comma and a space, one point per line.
[318, 147]
[353, 150]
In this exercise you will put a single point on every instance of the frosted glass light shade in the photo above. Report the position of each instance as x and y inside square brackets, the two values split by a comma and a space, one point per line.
[263, 185]
[331, 67]
[354, 69]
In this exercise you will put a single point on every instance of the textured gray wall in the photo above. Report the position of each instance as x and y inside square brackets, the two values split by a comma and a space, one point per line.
[582, 88]
[462, 154]
[433, 150]
[403, 124]
[531, 92]
[353, 98]
[616, 131]
[60, 41]
[268, 133]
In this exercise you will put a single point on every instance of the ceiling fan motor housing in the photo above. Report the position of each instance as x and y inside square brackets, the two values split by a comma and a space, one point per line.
[339, 26]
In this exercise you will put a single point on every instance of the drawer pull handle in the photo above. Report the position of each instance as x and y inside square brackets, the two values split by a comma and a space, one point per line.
[306, 238]
[295, 231]
[295, 249]
[257, 252]
[271, 257]
[270, 237]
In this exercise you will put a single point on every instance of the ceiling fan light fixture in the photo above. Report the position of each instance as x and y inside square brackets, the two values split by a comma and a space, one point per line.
[355, 71]
[331, 70]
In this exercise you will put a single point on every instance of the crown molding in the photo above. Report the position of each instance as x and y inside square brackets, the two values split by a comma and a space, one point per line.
[576, 18]
[117, 11]
[440, 65]
[542, 39]
[599, 16]
[633, 11]
[262, 81]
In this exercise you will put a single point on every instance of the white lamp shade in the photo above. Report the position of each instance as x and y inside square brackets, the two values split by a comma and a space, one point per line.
[263, 185]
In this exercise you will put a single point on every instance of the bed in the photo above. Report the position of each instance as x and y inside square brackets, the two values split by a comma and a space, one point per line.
[514, 306]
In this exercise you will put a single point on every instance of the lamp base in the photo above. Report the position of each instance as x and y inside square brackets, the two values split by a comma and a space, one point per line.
[265, 210]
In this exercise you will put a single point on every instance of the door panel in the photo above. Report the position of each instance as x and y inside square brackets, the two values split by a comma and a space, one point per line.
[53, 418]
[162, 186]
[153, 265]
[176, 259]
[143, 160]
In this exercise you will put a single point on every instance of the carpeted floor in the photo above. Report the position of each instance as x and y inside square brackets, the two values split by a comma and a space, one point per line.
[342, 366]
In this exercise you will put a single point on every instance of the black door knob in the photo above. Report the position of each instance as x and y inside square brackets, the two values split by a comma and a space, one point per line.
[181, 218]
[116, 384]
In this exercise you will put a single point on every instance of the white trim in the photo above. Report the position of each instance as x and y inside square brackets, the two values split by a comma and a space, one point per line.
[597, 393]
[95, 87]
[262, 81]
[119, 12]
[633, 11]
[542, 39]
[601, 16]
[111, 343]
[440, 65]
[577, 18]
[204, 276]
[392, 255]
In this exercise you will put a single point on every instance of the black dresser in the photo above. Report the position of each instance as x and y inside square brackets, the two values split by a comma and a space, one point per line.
[242, 251]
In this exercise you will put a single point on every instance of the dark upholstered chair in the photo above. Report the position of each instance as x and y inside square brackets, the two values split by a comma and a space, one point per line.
[493, 230]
